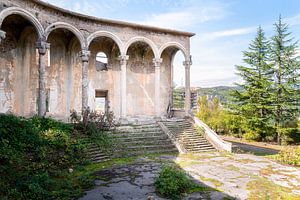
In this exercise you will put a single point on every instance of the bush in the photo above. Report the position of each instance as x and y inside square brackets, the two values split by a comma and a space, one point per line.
[35, 155]
[172, 182]
[289, 155]
[251, 136]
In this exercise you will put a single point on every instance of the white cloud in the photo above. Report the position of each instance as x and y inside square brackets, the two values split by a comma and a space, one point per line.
[294, 20]
[186, 17]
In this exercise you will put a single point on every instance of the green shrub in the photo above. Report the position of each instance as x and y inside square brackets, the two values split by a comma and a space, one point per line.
[289, 135]
[251, 136]
[35, 155]
[289, 155]
[172, 182]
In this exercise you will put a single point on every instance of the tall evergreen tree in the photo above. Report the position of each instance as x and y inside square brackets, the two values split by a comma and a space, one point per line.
[253, 100]
[286, 66]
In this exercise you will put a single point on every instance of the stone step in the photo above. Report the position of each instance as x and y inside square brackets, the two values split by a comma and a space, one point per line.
[149, 147]
[98, 160]
[130, 135]
[153, 137]
[202, 150]
[199, 147]
[147, 142]
[195, 143]
[137, 128]
[135, 153]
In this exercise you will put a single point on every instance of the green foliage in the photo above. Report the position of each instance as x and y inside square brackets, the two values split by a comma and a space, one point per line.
[221, 92]
[172, 182]
[96, 125]
[251, 135]
[286, 87]
[268, 100]
[254, 98]
[104, 139]
[289, 155]
[178, 98]
[92, 120]
[35, 155]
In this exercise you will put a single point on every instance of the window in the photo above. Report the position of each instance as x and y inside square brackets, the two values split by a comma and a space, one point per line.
[101, 62]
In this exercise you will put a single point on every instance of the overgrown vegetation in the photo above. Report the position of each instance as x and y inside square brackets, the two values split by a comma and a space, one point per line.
[97, 127]
[38, 155]
[289, 155]
[173, 183]
[265, 107]
[35, 156]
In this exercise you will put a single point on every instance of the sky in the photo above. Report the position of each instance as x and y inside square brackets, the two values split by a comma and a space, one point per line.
[223, 28]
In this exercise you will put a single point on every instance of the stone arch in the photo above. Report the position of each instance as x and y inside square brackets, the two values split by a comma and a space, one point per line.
[24, 13]
[141, 39]
[63, 25]
[110, 35]
[176, 45]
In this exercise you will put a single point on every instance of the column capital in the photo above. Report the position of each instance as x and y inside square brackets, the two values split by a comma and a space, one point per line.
[123, 59]
[42, 45]
[2, 35]
[84, 54]
[157, 62]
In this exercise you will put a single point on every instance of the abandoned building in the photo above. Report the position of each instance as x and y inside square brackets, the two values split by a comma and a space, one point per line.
[53, 60]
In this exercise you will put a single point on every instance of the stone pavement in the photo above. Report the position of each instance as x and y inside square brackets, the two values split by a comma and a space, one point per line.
[229, 176]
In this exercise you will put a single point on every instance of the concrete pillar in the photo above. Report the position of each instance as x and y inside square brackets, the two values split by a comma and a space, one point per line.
[123, 94]
[187, 64]
[84, 54]
[2, 35]
[157, 62]
[42, 47]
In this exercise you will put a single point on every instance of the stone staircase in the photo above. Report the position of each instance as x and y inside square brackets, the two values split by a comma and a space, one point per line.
[94, 153]
[133, 140]
[187, 136]
[142, 139]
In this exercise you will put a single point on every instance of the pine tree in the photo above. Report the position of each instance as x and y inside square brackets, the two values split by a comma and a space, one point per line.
[253, 99]
[286, 66]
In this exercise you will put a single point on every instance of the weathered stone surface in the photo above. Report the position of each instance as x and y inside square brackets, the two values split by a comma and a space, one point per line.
[224, 176]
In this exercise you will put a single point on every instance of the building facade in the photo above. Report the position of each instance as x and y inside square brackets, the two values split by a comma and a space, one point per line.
[51, 62]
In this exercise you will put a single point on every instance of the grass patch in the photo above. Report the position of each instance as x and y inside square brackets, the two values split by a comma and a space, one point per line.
[289, 155]
[233, 168]
[262, 188]
[215, 182]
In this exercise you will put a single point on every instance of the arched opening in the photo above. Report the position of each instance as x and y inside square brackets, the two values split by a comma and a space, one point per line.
[140, 79]
[101, 61]
[173, 57]
[104, 73]
[18, 66]
[63, 85]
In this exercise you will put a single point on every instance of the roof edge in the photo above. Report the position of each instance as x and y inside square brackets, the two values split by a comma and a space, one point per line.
[115, 22]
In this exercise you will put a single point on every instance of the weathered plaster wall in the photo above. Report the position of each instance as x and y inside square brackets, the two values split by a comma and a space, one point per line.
[18, 73]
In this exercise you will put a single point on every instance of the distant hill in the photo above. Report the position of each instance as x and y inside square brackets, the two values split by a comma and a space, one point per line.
[222, 92]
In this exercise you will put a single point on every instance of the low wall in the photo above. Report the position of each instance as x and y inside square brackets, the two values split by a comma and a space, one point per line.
[212, 137]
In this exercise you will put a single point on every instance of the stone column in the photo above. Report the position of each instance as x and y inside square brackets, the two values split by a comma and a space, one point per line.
[187, 65]
[42, 47]
[123, 94]
[84, 54]
[2, 35]
[157, 62]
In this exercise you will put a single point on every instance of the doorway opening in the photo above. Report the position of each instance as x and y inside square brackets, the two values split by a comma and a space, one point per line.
[101, 101]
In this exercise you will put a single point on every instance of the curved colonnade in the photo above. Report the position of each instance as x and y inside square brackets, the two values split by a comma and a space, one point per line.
[85, 42]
